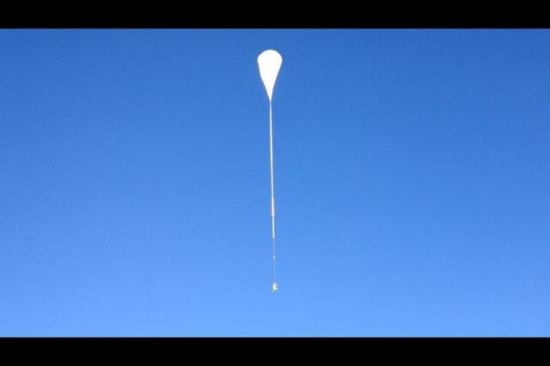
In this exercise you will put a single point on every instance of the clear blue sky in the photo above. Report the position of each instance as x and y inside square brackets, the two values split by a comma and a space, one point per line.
[412, 174]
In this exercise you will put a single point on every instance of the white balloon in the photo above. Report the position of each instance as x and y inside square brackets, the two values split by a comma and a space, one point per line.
[269, 63]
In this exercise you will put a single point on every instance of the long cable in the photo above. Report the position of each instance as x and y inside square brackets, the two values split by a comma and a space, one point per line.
[272, 191]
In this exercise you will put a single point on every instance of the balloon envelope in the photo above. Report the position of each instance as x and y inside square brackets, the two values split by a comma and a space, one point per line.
[269, 63]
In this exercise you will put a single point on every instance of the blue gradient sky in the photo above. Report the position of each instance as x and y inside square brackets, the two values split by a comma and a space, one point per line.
[412, 180]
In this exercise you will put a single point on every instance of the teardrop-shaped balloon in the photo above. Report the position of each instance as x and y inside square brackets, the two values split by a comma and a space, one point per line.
[269, 63]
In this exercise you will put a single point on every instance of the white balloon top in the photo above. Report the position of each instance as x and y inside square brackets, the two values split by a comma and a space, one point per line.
[269, 63]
